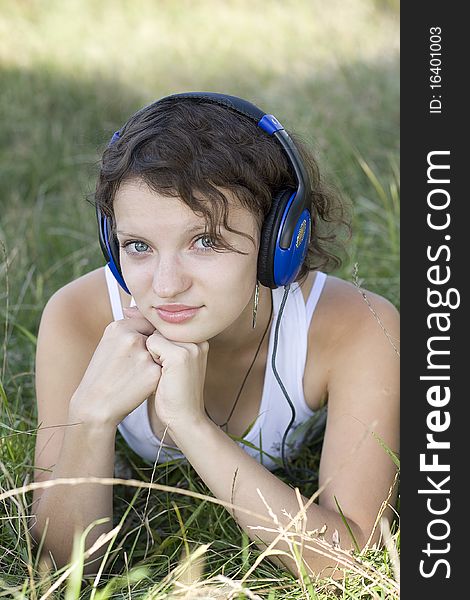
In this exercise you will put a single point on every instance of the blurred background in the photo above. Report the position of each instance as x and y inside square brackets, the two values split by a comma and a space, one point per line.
[72, 71]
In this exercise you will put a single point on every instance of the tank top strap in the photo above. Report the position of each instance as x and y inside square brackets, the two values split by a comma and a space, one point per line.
[314, 295]
[114, 295]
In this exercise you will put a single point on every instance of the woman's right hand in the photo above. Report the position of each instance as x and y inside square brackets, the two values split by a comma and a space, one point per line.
[120, 375]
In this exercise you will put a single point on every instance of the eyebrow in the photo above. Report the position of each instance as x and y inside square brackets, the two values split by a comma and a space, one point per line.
[200, 227]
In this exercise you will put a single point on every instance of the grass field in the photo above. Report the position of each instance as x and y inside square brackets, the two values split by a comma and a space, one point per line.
[70, 74]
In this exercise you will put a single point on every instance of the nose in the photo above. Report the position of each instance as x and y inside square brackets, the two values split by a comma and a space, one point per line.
[170, 278]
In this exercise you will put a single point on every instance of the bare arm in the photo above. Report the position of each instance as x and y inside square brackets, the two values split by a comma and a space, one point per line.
[234, 476]
[363, 398]
[87, 379]
[86, 451]
[363, 414]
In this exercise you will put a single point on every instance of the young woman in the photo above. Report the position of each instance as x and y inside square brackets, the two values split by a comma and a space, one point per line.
[214, 317]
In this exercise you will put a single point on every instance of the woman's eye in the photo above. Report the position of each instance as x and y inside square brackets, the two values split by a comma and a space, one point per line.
[136, 247]
[205, 242]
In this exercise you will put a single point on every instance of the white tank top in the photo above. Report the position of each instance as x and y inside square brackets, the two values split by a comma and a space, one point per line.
[263, 440]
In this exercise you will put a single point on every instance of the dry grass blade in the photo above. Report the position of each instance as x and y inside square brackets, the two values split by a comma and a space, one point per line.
[126, 482]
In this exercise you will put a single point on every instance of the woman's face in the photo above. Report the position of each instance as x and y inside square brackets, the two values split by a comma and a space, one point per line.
[167, 258]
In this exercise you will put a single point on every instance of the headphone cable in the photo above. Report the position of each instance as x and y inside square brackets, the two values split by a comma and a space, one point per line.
[290, 470]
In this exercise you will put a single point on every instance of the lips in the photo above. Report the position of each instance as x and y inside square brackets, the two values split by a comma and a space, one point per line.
[176, 313]
[175, 307]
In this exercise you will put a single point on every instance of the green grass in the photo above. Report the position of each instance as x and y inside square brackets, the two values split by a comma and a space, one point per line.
[70, 74]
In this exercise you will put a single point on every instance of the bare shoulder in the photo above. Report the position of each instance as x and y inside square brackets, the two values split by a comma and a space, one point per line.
[72, 324]
[84, 304]
[348, 322]
[84, 298]
[345, 309]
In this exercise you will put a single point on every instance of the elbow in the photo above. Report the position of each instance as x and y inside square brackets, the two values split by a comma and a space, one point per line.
[376, 535]
[44, 558]
[50, 559]
[357, 537]
[54, 554]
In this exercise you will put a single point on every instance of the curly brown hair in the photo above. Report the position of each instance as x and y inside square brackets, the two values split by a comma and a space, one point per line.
[197, 151]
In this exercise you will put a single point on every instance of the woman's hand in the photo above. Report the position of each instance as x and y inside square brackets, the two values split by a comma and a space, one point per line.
[120, 376]
[179, 398]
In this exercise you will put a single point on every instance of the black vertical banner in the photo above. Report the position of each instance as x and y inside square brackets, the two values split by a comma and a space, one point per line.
[435, 434]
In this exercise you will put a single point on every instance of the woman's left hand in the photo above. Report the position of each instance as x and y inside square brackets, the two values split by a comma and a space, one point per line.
[179, 398]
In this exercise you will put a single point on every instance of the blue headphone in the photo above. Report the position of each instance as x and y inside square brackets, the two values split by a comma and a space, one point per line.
[286, 230]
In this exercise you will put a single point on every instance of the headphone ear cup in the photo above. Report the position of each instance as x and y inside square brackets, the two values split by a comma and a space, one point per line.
[269, 235]
[113, 245]
[102, 233]
[110, 247]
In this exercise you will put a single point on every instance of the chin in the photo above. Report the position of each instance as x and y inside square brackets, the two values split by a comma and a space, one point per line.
[182, 333]
[186, 339]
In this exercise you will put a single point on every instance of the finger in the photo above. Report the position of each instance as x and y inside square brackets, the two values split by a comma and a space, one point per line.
[156, 357]
[131, 311]
[163, 350]
[169, 353]
[136, 321]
